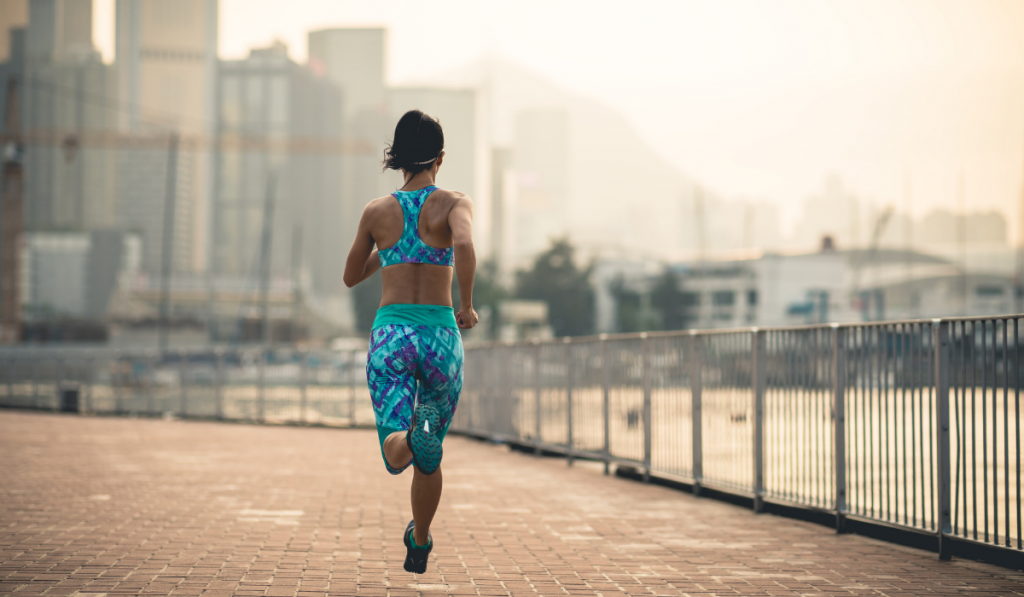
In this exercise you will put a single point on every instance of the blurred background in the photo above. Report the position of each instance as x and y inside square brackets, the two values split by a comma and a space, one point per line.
[190, 173]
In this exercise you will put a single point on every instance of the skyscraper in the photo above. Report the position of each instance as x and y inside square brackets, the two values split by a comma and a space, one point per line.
[59, 29]
[270, 96]
[68, 185]
[353, 59]
[166, 59]
[14, 15]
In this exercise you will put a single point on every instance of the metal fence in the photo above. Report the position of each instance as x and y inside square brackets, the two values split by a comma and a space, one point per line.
[914, 425]
[263, 385]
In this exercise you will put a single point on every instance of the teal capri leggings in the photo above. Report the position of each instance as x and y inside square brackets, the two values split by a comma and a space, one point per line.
[415, 355]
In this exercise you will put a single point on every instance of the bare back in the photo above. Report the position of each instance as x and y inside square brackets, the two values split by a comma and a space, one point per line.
[415, 283]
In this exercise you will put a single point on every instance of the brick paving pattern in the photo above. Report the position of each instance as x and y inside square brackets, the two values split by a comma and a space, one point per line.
[117, 506]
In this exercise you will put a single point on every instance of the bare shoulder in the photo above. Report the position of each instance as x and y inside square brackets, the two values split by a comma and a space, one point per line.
[456, 199]
[379, 202]
[378, 205]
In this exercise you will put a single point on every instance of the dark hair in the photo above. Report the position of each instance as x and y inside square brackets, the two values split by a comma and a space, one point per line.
[418, 141]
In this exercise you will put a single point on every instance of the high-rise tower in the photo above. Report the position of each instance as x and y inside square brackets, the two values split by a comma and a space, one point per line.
[59, 29]
[166, 58]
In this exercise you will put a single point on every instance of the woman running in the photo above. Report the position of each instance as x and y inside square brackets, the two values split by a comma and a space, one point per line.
[414, 367]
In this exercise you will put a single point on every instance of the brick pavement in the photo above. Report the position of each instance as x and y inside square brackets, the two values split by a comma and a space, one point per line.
[116, 506]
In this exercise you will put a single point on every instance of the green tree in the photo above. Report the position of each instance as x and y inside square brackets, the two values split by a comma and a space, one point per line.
[487, 292]
[566, 289]
[632, 311]
[667, 300]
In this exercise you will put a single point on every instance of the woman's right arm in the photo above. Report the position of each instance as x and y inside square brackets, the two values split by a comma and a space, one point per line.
[460, 220]
[362, 259]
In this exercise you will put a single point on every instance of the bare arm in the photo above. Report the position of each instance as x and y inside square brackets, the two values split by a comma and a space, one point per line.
[461, 222]
[362, 259]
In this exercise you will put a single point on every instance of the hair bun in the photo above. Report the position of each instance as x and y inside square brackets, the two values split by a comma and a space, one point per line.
[418, 142]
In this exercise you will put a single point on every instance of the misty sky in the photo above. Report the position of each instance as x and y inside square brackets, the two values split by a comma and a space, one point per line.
[757, 98]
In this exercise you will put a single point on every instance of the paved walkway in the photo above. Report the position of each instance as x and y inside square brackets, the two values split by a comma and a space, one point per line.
[120, 506]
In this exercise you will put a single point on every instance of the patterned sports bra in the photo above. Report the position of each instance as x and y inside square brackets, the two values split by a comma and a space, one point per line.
[410, 248]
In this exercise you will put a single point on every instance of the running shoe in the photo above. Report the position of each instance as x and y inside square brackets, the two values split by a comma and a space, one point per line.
[415, 556]
[423, 441]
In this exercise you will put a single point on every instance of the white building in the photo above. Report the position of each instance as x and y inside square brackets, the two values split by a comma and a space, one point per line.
[829, 286]
[75, 274]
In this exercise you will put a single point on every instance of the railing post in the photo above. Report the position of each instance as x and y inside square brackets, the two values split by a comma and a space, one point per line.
[839, 424]
[303, 368]
[940, 343]
[115, 381]
[89, 373]
[352, 388]
[261, 373]
[696, 354]
[606, 403]
[183, 382]
[537, 381]
[10, 379]
[218, 380]
[59, 381]
[568, 396]
[759, 356]
[35, 382]
[152, 362]
[645, 372]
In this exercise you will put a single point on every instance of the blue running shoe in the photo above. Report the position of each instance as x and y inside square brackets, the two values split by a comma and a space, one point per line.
[422, 439]
[416, 556]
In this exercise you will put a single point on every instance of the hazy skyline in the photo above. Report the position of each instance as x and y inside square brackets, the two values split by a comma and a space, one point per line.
[757, 100]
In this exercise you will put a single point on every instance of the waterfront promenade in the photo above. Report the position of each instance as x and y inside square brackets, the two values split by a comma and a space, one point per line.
[116, 506]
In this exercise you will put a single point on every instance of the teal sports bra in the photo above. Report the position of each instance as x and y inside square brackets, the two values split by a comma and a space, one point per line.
[411, 248]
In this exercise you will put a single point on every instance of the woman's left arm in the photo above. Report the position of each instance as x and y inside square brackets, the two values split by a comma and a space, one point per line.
[362, 259]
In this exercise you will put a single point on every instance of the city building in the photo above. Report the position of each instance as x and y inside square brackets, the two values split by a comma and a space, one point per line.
[13, 16]
[354, 60]
[75, 274]
[166, 62]
[152, 183]
[59, 29]
[61, 83]
[822, 287]
[541, 204]
[269, 96]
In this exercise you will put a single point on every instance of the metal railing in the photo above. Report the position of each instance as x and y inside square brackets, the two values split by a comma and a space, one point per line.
[914, 425]
[263, 385]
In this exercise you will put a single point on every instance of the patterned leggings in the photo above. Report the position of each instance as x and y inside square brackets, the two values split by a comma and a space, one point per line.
[404, 359]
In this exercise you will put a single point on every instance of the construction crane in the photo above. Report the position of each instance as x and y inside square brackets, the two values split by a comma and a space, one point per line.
[13, 220]
[866, 259]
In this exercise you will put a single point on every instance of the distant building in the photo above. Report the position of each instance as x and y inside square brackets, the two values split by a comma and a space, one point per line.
[942, 227]
[267, 95]
[74, 274]
[166, 60]
[58, 29]
[542, 202]
[353, 59]
[829, 286]
[836, 212]
[13, 16]
[69, 185]
[142, 196]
